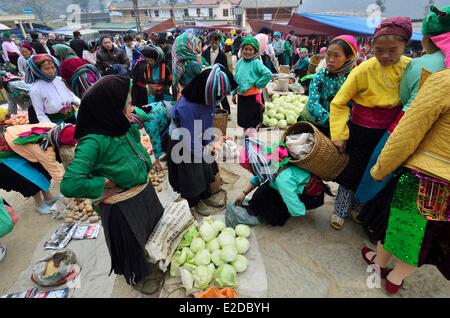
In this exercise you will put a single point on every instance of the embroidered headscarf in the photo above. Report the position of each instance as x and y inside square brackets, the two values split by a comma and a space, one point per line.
[400, 26]
[34, 72]
[437, 22]
[353, 44]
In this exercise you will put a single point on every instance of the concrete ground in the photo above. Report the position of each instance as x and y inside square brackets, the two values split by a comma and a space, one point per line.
[304, 258]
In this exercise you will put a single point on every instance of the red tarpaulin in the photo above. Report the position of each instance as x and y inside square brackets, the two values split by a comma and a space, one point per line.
[161, 27]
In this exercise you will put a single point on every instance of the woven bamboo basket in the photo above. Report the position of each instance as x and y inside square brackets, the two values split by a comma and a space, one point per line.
[324, 160]
[221, 120]
[313, 63]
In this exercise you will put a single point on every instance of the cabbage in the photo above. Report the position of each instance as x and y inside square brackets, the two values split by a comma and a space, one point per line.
[279, 116]
[243, 230]
[189, 266]
[272, 113]
[291, 120]
[213, 245]
[275, 96]
[216, 258]
[203, 257]
[240, 264]
[197, 244]
[226, 239]
[289, 113]
[187, 279]
[226, 276]
[178, 259]
[229, 254]
[265, 120]
[242, 245]
[189, 255]
[282, 124]
[207, 232]
[189, 236]
[202, 277]
[229, 230]
[272, 122]
[218, 226]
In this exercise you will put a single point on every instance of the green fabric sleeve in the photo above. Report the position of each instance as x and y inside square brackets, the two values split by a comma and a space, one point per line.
[288, 184]
[78, 181]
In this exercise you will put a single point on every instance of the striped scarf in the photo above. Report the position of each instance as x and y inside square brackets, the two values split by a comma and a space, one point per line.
[258, 163]
[34, 73]
[217, 86]
[185, 49]
[52, 138]
[84, 77]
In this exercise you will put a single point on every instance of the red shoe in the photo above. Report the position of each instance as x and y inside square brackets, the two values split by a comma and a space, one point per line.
[384, 271]
[392, 288]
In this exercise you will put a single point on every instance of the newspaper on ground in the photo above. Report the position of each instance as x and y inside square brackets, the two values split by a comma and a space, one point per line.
[61, 237]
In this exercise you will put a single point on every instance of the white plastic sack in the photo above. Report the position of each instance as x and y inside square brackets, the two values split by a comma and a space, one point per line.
[229, 150]
[168, 233]
[300, 145]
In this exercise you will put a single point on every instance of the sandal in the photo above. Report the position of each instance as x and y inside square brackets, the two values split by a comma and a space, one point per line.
[336, 222]
[384, 271]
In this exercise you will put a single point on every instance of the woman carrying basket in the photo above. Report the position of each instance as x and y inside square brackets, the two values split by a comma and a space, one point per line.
[283, 190]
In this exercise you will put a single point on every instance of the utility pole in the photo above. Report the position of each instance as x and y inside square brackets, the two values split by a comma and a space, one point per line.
[137, 17]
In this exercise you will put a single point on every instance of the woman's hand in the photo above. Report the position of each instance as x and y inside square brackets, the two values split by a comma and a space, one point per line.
[157, 165]
[109, 184]
[340, 145]
[239, 199]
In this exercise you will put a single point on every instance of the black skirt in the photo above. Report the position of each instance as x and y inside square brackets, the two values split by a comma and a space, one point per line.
[374, 216]
[191, 180]
[12, 181]
[360, 146]
[249, 112]
[269, 206]
[128, 226]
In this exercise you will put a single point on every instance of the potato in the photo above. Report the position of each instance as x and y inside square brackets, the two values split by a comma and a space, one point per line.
[75, 208]
[76, 218]
[159, 189]
[84, 210]
[94, 219]
[84, 218]
[68, 220]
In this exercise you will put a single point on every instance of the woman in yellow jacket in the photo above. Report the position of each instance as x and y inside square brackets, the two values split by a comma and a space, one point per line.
[373, 91]
[419, 221]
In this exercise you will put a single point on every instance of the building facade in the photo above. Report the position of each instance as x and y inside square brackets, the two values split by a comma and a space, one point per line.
[221, 11]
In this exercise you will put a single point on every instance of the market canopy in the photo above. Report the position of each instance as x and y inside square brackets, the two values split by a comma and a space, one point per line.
[338, 24]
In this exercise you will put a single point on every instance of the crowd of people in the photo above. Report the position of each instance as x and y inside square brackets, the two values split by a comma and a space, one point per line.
[386, 111]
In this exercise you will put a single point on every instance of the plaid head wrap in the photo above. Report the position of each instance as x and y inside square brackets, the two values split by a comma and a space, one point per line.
[62, 134]
[185, 49]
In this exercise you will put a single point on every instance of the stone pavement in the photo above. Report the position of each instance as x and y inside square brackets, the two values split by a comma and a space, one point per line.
[304, 258]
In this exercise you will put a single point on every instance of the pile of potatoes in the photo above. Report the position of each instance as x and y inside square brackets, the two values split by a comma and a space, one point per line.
[80, 210]
[157, 179]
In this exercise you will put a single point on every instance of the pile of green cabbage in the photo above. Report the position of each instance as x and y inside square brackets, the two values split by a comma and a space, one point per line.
[211, 254]
[283, 110]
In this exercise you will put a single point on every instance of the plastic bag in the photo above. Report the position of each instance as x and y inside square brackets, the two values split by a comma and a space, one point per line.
[6, 223]
[300, 145]
[235, 215]
[64, 265]
[229, 149]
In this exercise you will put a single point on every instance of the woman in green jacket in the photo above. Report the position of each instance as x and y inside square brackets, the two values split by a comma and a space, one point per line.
[112, 167]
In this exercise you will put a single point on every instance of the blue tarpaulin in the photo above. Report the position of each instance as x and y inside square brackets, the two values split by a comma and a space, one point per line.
[353, 24]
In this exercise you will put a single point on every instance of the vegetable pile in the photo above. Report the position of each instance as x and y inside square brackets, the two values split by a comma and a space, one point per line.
[80, 210]
[211, 254]
[18, 119]
[157, 179]
[283, 110]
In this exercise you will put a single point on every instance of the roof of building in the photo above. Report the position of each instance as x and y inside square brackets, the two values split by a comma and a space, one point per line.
[212, 2]
[261, 4]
